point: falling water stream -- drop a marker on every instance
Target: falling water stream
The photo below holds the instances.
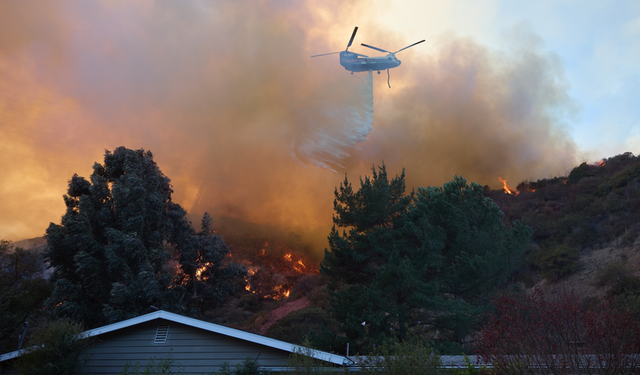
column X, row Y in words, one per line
column 335, row 127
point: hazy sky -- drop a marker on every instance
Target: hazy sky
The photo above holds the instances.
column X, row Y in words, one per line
column 236, row 112
column 597, row 42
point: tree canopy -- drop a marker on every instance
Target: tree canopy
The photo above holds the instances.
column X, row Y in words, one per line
column 22, row 292
column 372, row 276
column 406, row 261
column 110, row 253
column 474, row 250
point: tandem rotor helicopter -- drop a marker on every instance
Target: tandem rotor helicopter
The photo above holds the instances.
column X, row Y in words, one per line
column 356, row 62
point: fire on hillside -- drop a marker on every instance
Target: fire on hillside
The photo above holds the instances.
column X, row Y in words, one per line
column 507, row 189
column 273, row 267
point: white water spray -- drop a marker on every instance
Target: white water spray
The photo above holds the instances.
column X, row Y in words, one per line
column 337, row 125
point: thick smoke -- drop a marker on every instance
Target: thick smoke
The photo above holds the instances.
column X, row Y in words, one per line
column 237, row 113
column 479, row 113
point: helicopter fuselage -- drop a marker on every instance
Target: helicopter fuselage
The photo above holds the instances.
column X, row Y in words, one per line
column 355, row 63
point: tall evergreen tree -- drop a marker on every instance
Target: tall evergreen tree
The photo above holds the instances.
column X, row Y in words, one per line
column 410, row 259
column 374, row 279
column 110, row 251
column 475, row 251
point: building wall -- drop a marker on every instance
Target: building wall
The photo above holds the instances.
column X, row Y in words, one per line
column 195, row 350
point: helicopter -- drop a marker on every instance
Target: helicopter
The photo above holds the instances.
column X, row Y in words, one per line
column 356, row 62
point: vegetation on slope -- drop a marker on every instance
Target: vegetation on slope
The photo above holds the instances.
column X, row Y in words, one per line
column 596, row 205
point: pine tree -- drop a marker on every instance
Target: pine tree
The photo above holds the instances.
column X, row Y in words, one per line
column 373, row 278
column 110, row 250
column 408, row 260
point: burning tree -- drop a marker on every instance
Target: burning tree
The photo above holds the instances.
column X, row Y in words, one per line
column 110, row 249
column 205, row 274
column 533, row 334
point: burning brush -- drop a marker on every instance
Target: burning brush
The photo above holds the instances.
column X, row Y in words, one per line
column 273, row 267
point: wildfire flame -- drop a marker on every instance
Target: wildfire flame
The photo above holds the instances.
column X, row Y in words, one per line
column 201, row 269
column 273, row 267
column 600, row 163
column 507, row 189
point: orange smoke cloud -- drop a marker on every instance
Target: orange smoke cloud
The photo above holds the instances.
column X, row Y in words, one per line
column 239, row 116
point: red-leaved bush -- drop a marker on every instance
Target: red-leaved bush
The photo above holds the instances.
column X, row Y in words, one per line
column 534, row 334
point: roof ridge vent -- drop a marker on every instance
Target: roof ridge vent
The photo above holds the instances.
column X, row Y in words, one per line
column 161, row 334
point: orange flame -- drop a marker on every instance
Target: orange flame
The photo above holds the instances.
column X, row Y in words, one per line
column 273, row 267
column 507, row 189
column 201, row 269
column 600, row 163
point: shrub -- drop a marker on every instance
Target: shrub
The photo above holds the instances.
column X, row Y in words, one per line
column 248, row 367
column 298, row 324
column 166, row 367
column 557, row 262
column 470, row 369
column 610, row 274
column 55, row 349
column 559, row 335
column 413, row 357
column 251, row 302
column 301, row 362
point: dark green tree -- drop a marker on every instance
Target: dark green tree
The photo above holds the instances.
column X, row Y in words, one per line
column 110, row 250
column 205, row 276
column 475, row 251
column 374, row 279
column 22, row 292
column 407, row 260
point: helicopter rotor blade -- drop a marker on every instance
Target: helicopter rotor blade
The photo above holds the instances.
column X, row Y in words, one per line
column 376, row 48
column 352, row 37
column 325, row 54
column 409, row 46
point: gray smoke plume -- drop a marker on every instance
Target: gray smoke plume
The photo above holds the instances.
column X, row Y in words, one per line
column 227, row 97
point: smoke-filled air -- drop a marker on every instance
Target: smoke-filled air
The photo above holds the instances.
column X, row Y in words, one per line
column 247, row 125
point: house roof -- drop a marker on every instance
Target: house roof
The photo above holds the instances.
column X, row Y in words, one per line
column 211, row 327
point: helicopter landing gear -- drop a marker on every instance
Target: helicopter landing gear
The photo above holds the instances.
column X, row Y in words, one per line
column 378, row 72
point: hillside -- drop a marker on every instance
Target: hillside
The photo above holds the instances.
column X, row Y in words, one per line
column 582, row 223
column 586, row 238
